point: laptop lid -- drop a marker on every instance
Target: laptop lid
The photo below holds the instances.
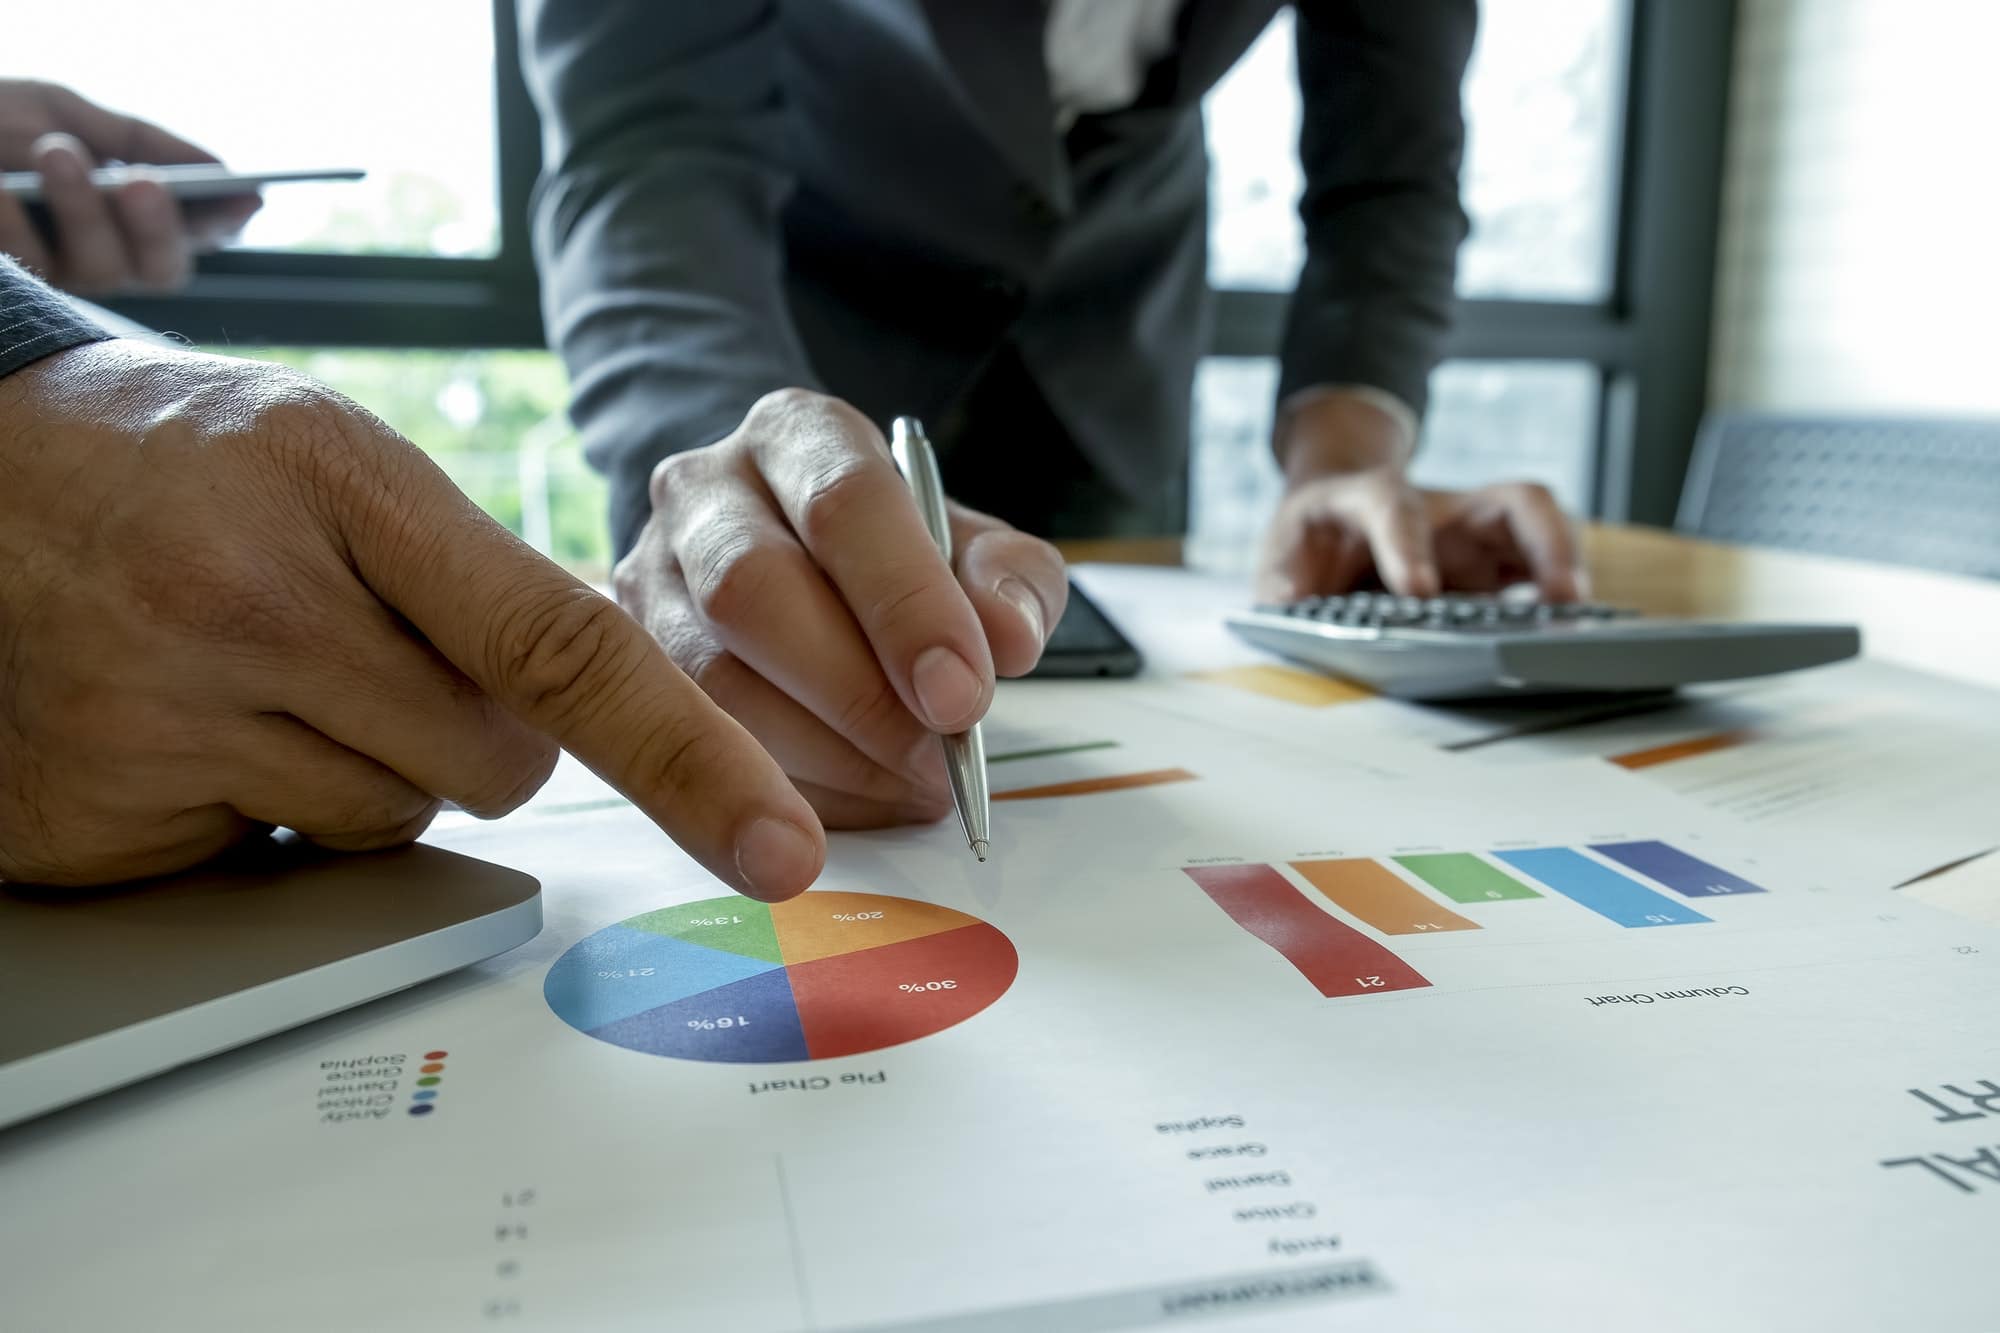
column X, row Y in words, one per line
column 100, row 989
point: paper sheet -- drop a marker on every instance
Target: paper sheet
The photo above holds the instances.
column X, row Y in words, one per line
column 1299, row 1041
column 1895, row 772
column 1970, row 889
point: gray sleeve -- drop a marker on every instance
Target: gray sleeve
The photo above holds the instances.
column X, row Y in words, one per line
column 35, row 321
column 656, row 223
column 1381, row 142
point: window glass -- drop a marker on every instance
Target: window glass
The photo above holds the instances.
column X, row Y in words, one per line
column 1488, row 421
column 1542, row 104
column 494, row 422
column 402, row 90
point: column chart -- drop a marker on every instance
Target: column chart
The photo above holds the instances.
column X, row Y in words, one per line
column 1631, row 885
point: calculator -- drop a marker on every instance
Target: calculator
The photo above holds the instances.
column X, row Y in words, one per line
column 1485, row 647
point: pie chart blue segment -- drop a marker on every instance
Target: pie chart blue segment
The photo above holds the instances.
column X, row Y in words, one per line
column 752, row 1021
column 619, row 972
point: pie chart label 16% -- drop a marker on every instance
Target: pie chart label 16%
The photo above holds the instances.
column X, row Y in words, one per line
column 824, row 975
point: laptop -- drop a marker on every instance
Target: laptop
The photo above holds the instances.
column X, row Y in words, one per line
column 101, row 989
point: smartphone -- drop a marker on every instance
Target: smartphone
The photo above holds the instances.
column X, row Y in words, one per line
column 199, row 180
column 1086, row 643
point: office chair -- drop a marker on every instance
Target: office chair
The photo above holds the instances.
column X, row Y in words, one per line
column 1901, row 491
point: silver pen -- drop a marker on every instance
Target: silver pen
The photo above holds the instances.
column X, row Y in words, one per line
column 964, row 753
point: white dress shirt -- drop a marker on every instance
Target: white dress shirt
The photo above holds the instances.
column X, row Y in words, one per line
column 1098, row 52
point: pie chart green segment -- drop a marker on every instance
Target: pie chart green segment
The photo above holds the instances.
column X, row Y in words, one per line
column 735, row 925
column 734, row 981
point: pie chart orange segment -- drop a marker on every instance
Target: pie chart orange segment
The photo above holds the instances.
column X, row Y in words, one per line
column 821, row 924
column 854, row 1002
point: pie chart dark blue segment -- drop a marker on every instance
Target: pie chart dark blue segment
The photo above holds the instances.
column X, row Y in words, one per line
column 618, row 972
column 752, row 1021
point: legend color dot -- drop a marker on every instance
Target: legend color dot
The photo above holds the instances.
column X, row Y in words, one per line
column 423, row 1101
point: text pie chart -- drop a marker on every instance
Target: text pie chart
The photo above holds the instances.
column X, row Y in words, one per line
column 824, row 975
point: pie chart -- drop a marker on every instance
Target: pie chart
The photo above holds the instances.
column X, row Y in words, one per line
column 824, row 975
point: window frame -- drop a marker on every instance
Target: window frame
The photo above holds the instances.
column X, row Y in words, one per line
column 1648, row 339
column 294, row 298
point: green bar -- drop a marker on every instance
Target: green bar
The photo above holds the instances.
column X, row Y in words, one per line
column 1053, row 749
column 1464, row 878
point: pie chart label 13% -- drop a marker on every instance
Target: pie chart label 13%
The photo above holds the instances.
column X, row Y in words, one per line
column 824, row 975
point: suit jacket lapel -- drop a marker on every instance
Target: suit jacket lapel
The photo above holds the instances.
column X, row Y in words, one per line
column 994, row 47
column 1212, row 36
column 995, row 50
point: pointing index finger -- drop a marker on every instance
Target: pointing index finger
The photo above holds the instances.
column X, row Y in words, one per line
column 571, row 664
column 1542, row 531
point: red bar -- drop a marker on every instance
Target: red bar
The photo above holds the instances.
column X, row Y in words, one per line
column 1335, row 958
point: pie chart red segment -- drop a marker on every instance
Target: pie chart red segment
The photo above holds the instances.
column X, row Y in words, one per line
column 885, row 996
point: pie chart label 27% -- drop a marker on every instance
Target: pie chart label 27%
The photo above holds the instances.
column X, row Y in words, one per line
column 826, row 974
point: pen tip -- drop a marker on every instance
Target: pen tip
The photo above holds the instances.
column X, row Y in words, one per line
column 979, row 849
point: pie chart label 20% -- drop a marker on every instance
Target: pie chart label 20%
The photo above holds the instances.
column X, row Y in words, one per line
column 824, row 975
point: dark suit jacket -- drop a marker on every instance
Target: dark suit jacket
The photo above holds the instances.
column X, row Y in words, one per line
column 870, row 197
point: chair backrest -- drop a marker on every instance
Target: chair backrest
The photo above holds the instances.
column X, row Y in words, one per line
column 1901, row 491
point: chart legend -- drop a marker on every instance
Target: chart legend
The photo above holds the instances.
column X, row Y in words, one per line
column 825, row 975
column 430, row 1074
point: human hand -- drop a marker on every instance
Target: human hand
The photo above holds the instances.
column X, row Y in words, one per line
column 787, row 571
column 231, row 599
column 1350, row 515
column 134, row 236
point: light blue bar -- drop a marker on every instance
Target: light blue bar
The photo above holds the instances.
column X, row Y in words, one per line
column 1597, row 886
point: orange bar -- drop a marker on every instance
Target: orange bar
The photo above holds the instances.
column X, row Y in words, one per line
column 1090, row 786
column 1667, row 754
column 1372, row 892
column 1290, row 684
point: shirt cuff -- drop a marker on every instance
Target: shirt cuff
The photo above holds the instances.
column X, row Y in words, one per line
column 1401, row 412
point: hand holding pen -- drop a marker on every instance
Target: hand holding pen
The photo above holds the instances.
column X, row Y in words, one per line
column 964, row 751
column 787, row 571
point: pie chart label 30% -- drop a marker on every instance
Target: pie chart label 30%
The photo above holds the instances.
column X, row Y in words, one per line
column 826, row 974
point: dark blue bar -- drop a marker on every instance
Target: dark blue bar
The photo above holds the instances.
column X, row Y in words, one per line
column 1689, row 876
column 1600, row 888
